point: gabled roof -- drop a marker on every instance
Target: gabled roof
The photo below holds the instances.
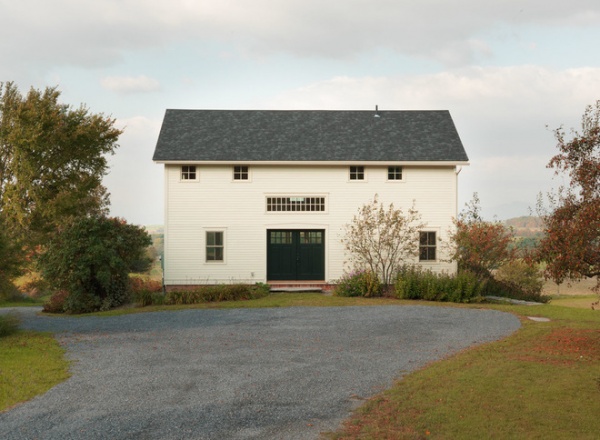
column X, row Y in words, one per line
column 308, row 136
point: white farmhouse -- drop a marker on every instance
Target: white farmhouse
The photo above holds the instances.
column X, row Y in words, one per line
column 263, row 196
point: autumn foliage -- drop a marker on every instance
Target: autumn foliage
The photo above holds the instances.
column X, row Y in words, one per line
column 571, row 245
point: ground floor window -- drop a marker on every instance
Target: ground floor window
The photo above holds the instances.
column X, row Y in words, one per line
column 427, row 246
column 215, row 246
column 296, row 204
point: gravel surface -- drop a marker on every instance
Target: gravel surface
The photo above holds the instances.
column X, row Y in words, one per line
column 279, row 373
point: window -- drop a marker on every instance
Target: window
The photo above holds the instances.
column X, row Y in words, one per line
column 300, row 204
column 357, row 173
column 188, row 172
column 311, row 237
column 394, row 173
column 281, row 237
column 214, row 246
column 240, row 173
column 427, row 246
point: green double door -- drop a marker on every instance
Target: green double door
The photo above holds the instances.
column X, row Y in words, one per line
column 295, row 255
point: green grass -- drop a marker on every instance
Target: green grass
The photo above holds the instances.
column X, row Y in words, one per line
column 30, row 364
column 542, row 382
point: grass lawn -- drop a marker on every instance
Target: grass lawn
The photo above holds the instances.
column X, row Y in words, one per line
column 30, row 364
column 542, row 382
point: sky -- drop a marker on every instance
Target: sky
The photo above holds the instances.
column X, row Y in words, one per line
column 510, row 72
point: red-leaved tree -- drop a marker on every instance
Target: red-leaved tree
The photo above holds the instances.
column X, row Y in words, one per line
column 571, row 245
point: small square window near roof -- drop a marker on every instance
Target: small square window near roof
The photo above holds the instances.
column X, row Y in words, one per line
column 188, row 172
column 357, row 173
column 395, row 173
column 240, row 172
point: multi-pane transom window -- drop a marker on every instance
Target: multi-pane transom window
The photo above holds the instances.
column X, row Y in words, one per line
column 427, row 246
column 214, row 246
column 357, row 173
column 188, row 172
column 240, row 172
column 394, row 173
column 297, row 204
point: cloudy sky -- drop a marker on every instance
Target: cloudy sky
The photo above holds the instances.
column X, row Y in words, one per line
column 508, row 71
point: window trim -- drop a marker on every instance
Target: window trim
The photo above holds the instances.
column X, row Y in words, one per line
column 187, row 173
column 359, row 173
column 215, row 246
column 238, row 175
column 428, row 246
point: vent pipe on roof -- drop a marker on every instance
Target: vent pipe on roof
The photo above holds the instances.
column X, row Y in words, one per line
column 377, row 112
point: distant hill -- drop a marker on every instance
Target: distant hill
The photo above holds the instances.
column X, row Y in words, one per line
column 526, row 226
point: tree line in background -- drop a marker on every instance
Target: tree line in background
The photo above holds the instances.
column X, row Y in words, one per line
column 53, row 206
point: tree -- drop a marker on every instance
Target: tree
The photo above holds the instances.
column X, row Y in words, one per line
column 52, row 161
column 91, row 259
column 381, row 239
column 571, row 244
column 478, row 245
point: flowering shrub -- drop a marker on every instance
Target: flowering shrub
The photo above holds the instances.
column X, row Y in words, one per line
column 359, row 283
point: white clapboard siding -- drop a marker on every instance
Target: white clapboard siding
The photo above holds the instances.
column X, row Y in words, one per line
column 215, row 202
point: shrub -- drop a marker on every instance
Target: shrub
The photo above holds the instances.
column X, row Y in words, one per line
column 9, row 324
column 361, row 283
column 415, row 283
column 145, row 292
column 56, row 303
column 525, row 276
column 216, row 293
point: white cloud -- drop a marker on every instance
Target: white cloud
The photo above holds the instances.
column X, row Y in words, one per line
column 130, row 84
column 100, row 33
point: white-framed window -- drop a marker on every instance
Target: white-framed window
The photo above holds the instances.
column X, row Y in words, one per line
column 395, row 173
column 189, row 172
column 427, row 246
column 215, row 246
column 357, row 173
column 296, row 204
column 241, row 172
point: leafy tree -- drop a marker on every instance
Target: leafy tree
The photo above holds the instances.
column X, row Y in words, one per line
column 381, row 239
column 52, row 161
column 571, row 245
column 91, row 260
column 10, row 264
column 477, row 245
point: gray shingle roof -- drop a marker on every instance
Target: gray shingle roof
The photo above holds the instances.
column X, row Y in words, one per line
column 306, row 135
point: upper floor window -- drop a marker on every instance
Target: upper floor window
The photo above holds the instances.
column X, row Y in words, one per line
column 240, row 172
column 427, row 246
column 188, row 172
column 357, row 173
column 394, row 173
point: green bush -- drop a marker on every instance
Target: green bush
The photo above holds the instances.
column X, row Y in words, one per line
column 522, row 277
column 146, row 292
column 9, row 324
column 415, row 283
column 361, row 283
column 217, row 293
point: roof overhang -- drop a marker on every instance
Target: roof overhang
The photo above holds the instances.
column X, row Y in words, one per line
column 419, row 163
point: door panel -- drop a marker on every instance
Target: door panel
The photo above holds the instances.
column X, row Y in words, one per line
column 295, row 255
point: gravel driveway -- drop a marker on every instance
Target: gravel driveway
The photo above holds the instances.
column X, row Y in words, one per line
column 279, row 373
